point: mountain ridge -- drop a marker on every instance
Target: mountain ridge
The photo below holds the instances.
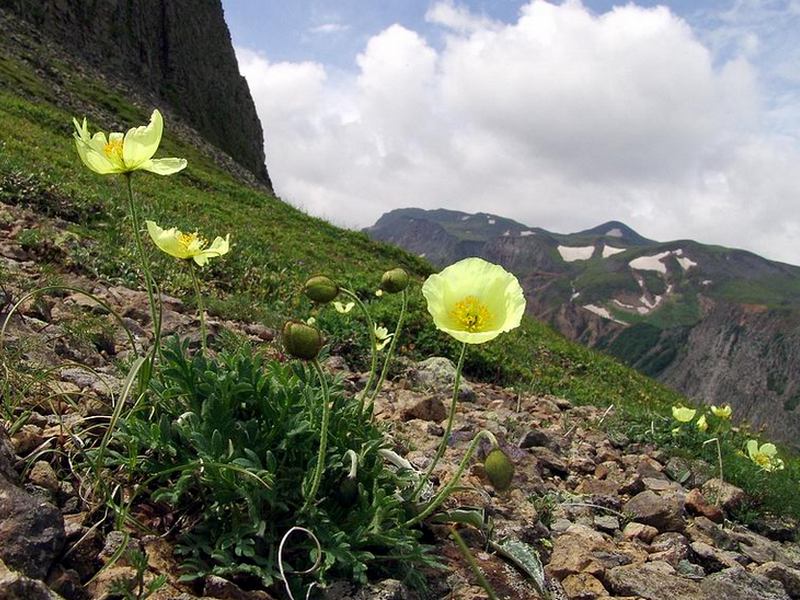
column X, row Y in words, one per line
column 611, row 288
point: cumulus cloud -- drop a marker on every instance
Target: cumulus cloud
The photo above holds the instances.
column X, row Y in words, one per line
column 562, row 119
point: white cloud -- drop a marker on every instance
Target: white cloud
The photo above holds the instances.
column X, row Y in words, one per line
column 563, row 119
column 327, row 28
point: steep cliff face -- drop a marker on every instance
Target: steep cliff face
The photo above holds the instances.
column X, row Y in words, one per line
column 178, row 49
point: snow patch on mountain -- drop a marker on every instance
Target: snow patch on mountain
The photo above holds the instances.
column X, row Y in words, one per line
column 611, row 250
column 602, row 312
column 573, row 253
column 655, row 262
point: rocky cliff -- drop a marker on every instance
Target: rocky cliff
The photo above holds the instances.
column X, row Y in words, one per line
column 178, row 49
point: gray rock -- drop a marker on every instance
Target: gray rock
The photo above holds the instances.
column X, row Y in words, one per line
column 541, row 437
column 31, row 531
column 738, row 584
column 665, row 513
column 790, row 578
column 652, row 581
column 726, row 495
column 7, row 457
column 608, row 523
column 15, row 586
column 438, row 374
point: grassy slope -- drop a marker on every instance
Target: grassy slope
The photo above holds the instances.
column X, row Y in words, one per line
column 276, row 247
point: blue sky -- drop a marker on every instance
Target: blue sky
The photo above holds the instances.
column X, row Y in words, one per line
column 680, row 118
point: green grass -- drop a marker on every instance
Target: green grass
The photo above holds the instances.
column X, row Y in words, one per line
column 276, row 247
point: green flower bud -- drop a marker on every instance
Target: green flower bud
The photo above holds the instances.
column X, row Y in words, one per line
column 301, row 340
column 394, row 281
column 499, row 469
column 321, row 289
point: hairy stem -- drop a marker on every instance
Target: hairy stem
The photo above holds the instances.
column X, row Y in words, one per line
column 200, row 309
column 373, row 345
column 443, row 445
column 148, row 279
column 323, row 436
column 390, row 353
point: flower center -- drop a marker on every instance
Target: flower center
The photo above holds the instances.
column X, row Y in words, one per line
column 113, row 150
column 191, row 241
column 762, row 459
column 471, row 314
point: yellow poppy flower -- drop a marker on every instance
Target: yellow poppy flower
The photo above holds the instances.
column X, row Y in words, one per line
column 682, row 414
column 764, row 456
column 474, row 301
column 120, row 153
column 187, row 245
column 702, row 424
column 723, row 412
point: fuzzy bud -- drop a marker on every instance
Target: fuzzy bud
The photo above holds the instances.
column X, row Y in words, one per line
column 499, row 469
column 301, row 340
column 394, row 281
column 321, row 289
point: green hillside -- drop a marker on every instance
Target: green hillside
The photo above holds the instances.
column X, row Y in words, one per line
column 275, row 248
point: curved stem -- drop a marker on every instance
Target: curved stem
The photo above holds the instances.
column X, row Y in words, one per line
column 373, row 344
column 200, row 308
column 445, row 491
column 448, row 429
column 148, row 279
column 323, row 436
column 390, row 353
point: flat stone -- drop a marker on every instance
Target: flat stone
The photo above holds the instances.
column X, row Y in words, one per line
column 738, row 584
column 790, row 578
column 652, row 581
column 541, row 437
column 639, row 531
column 576, row 551
column 664, row 512
column 713, row 559
column 582, row 586
column 428, row 408
column 608, row 523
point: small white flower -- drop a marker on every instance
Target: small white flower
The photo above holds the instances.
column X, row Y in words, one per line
column 343, row 308
column 382, row 337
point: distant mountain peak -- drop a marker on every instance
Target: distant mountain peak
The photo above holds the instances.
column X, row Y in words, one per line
column 616, row 230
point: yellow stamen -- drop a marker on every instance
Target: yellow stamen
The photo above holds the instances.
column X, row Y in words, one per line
column 191, row 240
column 113, row 149
column 471, row 314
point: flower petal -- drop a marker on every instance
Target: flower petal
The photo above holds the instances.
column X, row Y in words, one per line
column 167, row 240
column 96, row 161
column 142, row 142
column 164, row 166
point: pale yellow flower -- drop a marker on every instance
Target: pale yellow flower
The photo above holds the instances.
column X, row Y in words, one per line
column 343, row 308
column 123, row 153
column 474, row 301
column 764, row 456
column 723, row 412
column 378, row 293
column 683, row 414
column 382, row 337
column 187, row 245
column 702, row 424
